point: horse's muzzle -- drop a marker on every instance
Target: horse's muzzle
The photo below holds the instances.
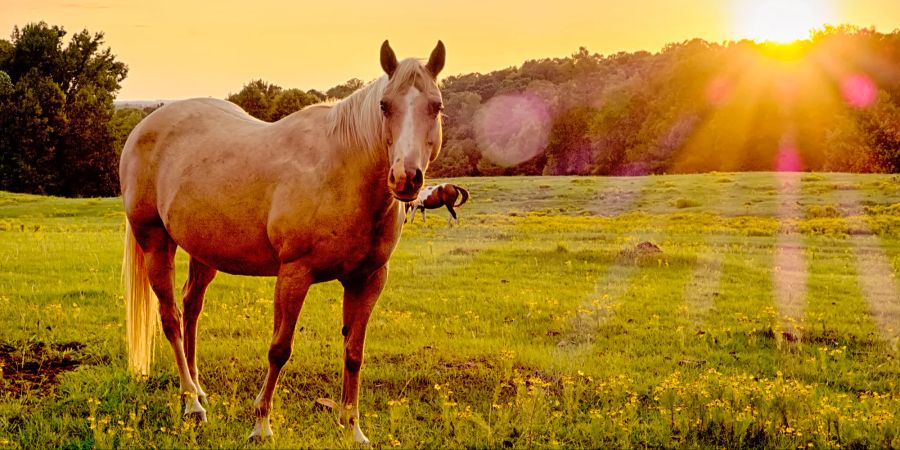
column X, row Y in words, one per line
column 405, row 184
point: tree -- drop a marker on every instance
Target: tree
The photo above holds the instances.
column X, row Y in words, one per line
column 34, row 120
column 55, row 117
column 257, row 98
column 122, row 122
column 290, row 101
column 343, row 90
column 569, row 148
column 880, row 125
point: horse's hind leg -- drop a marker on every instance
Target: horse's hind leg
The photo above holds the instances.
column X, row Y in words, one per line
column 199, row 277
column 360, row 296
column 452, row 215
column 159, row 257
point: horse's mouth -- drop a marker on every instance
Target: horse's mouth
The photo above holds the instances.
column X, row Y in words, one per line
column 407, row 195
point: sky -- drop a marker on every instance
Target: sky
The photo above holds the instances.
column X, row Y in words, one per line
column 184, row 48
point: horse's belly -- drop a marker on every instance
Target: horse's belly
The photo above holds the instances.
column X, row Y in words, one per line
column 227, row 243
column 232, row 253
column 241, row 262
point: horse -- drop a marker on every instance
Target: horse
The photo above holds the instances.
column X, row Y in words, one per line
column 434, row 197
column 248, row 197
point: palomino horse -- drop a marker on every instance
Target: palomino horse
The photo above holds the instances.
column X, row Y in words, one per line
column 248, row 197
column 434, row 197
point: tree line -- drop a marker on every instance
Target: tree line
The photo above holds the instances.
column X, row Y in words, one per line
column 831, row 102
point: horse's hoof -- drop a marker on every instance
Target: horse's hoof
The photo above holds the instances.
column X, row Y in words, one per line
column 259, row 439
column 358, row 435
column 262, row 431
column 197, row 416
column 360, row 438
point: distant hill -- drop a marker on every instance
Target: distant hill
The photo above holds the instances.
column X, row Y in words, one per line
column 138, row 103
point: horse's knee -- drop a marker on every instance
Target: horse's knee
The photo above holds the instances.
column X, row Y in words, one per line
column 353, row 359
column 279, row 354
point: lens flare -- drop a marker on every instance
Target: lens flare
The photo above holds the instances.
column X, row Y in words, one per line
column 788, row 159
column 719, row 90
column 859, row 90
column 512, row 129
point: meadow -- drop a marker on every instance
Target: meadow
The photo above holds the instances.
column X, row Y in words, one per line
column 766, row 313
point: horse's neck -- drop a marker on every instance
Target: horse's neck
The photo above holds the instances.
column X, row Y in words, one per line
column 369, row 169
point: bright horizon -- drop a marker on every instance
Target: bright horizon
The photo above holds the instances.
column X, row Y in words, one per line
column 181, row 49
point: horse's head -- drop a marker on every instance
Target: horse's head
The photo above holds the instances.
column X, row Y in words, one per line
column 411, row 106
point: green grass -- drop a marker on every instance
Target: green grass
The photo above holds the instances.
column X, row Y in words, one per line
column 535, row 322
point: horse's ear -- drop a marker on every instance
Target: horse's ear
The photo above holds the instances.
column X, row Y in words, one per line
column 388, row 59
column 436, row 60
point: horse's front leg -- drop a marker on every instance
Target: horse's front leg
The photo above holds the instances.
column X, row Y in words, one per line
column 290, row 292
column 360, row 295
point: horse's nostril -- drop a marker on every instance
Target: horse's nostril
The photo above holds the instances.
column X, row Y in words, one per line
column 418, row 178
column 392, row 178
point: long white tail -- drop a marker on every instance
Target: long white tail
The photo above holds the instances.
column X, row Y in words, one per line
column 141, row 306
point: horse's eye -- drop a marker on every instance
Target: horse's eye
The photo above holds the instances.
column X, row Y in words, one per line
column 435, row 108
column 385, row 108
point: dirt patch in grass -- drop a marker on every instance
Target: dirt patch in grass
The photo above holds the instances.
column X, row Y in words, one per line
column 643, row 252
column 36, row 367
column 463, row 251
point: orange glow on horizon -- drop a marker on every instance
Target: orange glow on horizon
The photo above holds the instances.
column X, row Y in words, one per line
column 176, row 49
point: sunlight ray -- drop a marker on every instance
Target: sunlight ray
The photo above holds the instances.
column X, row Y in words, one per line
column 790, row 274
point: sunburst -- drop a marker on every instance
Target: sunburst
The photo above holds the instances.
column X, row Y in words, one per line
column 779, row 20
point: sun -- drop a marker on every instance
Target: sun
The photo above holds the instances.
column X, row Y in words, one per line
column 780, row 21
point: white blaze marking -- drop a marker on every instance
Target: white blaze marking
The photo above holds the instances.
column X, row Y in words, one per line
column 406, row 140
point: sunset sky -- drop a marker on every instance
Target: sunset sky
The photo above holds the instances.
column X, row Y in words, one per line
column 181, row 48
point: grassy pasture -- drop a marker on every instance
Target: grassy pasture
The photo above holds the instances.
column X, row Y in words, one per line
column 537, row 321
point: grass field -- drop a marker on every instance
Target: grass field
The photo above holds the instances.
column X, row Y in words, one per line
column 769, row 318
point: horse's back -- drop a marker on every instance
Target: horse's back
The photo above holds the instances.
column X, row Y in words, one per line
column 171, row 140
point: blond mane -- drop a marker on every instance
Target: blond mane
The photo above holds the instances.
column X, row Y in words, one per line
column 356, row 120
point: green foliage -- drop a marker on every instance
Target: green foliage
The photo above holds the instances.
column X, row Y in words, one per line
column 55, row 105
column 343, row 90
column 695, row 106
column 569, row 149
column 122, row 122
column 292, row 100
column 270, row 102
column 6, row 84
column 257, row 98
